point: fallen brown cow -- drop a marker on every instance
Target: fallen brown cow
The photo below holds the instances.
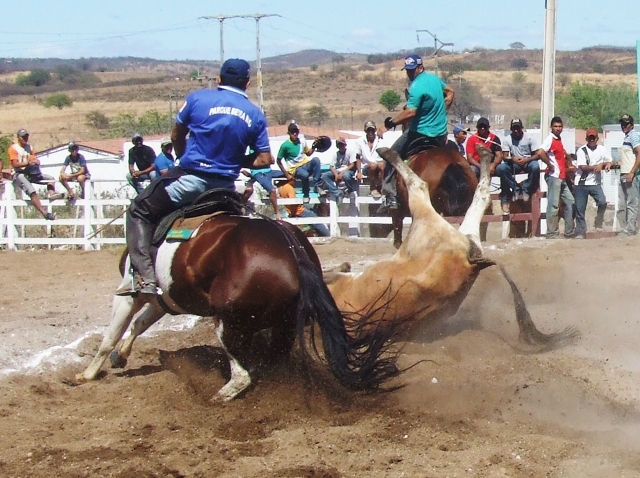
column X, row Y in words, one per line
column 433, row 269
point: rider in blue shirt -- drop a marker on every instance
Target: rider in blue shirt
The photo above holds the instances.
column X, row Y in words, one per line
column 212, row 132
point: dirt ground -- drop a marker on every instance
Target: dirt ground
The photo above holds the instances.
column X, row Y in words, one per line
column 476, row 404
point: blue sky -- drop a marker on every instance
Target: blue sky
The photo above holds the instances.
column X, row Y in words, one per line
column 171, row 30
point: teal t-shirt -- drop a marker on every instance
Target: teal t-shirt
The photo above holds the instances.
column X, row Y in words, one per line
column 426, row 96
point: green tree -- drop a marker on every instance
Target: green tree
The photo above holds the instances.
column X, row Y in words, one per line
column 516, row 45
column 318, row 114
column 390, row 99
column 5, row 142
column 59, row 100
column 35, row 77
column 97, row 119
column 586, row 105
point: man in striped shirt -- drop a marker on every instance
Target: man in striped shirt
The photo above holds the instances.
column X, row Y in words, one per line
column 627, row 212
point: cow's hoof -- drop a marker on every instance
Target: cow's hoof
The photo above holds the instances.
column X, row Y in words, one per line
column 80, row 378
column 117, row 360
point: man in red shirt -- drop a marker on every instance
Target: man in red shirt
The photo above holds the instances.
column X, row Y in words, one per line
column 486, row 138
column 553, row 154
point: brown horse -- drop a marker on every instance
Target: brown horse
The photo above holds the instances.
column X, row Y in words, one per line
column 250, row 275
column 451, row 182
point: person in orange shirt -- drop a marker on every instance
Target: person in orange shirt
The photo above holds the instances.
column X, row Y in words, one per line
column 26, row 170
column 287, row 190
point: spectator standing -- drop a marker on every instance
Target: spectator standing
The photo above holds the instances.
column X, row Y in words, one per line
column 288, row 191
column 369, row 162
column 489, row 140
column 428, row 100
column 553, row 154
column 165, row 161
column 298, row 162
column 141, row 157
column 78, row 171
column 26, row 171
column 591, row 159
column 212, row 132
column 627, row 213
column 524, row 156
column 343, row 168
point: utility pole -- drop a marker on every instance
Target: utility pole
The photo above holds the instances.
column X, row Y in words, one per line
column 436, row 48
column 548, row 66
column 221, row 19
column 257, row 17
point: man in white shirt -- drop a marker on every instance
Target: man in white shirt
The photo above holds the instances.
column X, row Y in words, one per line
column 368, row 159
column 343, row 168
column 628, row 187
column 591, row 159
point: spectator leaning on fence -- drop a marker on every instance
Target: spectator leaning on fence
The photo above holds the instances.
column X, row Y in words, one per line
column 523, row 158
column 627, row 213
column 26, row 170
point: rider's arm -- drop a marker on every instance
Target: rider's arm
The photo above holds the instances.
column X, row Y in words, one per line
column 449, row 94
column 179, row 139
column 261, row 160
column 405, row 114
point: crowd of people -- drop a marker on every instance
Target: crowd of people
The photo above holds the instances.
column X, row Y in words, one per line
column 219, row 132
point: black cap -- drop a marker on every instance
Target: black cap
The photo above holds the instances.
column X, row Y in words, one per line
column 626, row 119
column 482, row 122
column 292, row 127
column 516, row 122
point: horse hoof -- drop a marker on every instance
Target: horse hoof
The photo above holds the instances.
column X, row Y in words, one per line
column 80, row 378
column 117, row 360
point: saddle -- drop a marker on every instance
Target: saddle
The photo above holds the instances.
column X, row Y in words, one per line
column 180, row 224
column 419, row 145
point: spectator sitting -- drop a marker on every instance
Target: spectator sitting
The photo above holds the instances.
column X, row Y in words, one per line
column 26, row 169
column 343, row 168
column 165, row 161
column 490, row 141
column 79, row 171
column 460, row 137
column 287, row 190
column 369, row 161
column 142, row 157
column 523, row 150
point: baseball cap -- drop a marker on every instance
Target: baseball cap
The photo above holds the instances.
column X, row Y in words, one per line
column 22, row 133
column 292, row 127
column 516, row 122
column 165, row 141
column 459, row 127
column 235, row 68
column 592, row 132
column 482, row 122
column 341, row 140
column 369, row 125
column 626, row 119
column 412, row 62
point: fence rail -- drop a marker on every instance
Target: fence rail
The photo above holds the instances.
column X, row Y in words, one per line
column 85, row 227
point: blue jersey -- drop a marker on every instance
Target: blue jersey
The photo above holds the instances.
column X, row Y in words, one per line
column 222, row 124
column 163, row 162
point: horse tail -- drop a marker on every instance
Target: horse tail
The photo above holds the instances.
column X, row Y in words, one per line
column 528, row 330
column 358, row 363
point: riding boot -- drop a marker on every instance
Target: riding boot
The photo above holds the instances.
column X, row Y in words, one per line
column 143, row 215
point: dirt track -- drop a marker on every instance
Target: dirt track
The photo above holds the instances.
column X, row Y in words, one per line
column 478, row 405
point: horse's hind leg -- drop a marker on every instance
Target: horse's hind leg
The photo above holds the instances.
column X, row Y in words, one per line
column 124, row 308
column 150, row 316
column 234, row 344
column 470, row 226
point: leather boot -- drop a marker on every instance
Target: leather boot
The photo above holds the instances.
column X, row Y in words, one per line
column 139, row 235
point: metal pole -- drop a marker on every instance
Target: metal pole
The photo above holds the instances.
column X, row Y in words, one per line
column 221, row 18
column 436, row 48
column 638, row 66
column 259, row 66
column 548, row 67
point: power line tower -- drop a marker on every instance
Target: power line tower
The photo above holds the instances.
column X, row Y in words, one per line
column 221, row 19
column 436, row 48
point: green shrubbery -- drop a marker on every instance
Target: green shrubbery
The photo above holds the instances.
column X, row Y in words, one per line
column 59, row 100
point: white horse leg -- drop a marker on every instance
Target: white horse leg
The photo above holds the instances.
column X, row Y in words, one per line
column 149, row 316
column 124, row 308
column 240, row 378
column 470, row 226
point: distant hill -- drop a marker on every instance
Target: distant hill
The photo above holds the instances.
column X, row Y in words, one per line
column 598, row 59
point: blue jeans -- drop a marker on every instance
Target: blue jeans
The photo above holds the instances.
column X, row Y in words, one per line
column 265, row 179
column 187, row 188
column 321, row 229
column 557, row 190
column 507, row 171
column 310, row 169
column 136, row 183
column 582, row 193
column 349, row 178
column 627, row 212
